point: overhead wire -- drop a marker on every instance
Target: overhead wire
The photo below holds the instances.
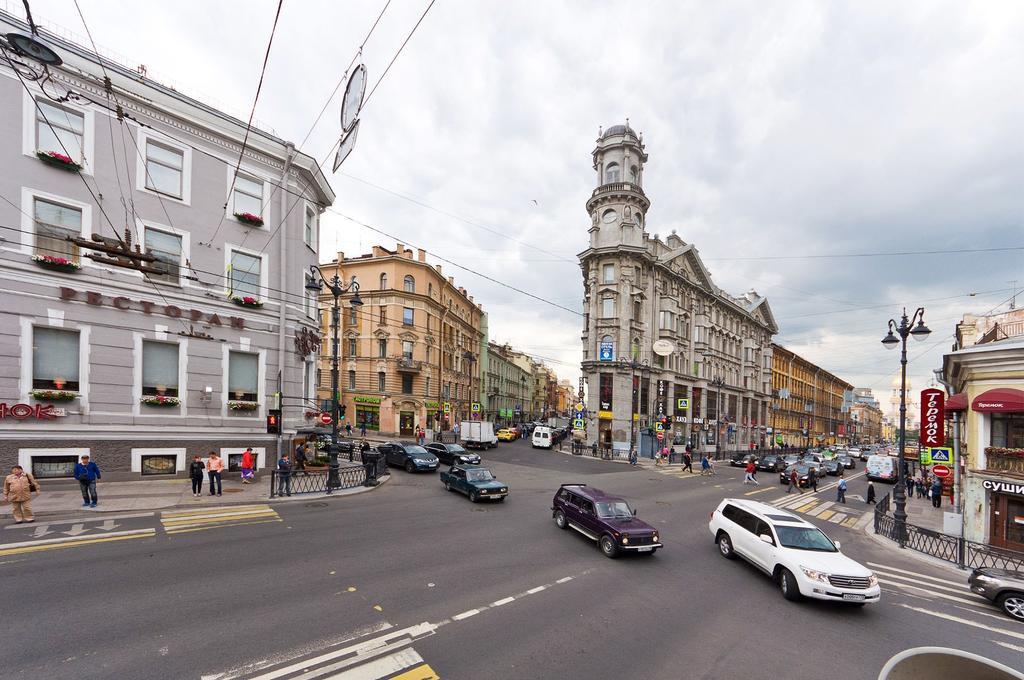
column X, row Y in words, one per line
column 394, row 58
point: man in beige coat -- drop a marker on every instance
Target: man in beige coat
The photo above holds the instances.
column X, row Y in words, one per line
column 18, row 487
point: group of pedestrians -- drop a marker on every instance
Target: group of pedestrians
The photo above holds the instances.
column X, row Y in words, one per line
column 214, row 468
column 926, row 486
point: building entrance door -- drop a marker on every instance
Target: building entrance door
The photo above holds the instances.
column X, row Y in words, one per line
column 406, row 423
column 1007, row 522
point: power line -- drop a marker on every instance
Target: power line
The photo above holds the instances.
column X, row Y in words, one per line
column 882, row 254
column 391, row 63
column 248, row 125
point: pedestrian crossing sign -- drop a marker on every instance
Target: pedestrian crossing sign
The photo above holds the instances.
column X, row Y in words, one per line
column 941, row 455
column 577, row 424
column 658, row 427
column 476, row 407
column 447, row 407
column 682, row 404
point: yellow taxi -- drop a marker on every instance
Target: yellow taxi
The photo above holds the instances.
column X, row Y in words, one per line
column 506, row 435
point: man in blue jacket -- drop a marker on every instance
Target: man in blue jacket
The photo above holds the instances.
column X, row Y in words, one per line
column 87, row 473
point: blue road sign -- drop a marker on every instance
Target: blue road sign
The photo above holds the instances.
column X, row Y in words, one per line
column 607, row 352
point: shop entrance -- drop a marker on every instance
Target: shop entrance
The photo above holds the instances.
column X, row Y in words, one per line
column 1007, row 522
column 406, row 423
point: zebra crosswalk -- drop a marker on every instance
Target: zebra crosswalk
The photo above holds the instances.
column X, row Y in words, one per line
column 184, row 521
column 811, row 505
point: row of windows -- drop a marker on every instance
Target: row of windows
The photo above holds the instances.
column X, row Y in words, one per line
column 166, row 166
column 56, row 366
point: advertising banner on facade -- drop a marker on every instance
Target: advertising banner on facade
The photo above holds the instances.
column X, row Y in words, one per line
column 933, row 417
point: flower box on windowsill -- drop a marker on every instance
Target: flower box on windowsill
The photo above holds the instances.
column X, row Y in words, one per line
column 58, row 160
column 247, row 302
column 249, row 218
column 243, row 405
column 160, row 400
column 60, row 264
column 54, row 395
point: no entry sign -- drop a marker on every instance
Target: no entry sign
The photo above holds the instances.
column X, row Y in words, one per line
column 940, row 471
column 325, row 418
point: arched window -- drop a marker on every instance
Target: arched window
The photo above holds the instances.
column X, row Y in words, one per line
column 430, row 289
column 611, row 173
column 383, row 281
column 410, row 284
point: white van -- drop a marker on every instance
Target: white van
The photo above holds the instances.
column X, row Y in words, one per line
column 541, row 437
column 881, row 468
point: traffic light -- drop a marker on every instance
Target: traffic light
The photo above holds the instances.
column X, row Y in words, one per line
column 341, row 412
column 274, row 422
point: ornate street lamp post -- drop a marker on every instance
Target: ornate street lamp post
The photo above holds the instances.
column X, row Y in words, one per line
column 898, row 333
column 334, row 285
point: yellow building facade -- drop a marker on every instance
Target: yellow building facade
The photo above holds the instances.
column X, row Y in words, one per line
column 812, row 413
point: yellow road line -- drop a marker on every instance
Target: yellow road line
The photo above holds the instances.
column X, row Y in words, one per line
column 220, row 526
column 850, row 522
column 806, row 507
column 751, row 493
column 240, row 513
column 423, row 672
column 219, row 508
column 826, row 514
column 218, row 520
column 72, row 544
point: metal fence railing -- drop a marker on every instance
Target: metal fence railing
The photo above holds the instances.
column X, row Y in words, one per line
column 316, row 481
column 955, row 549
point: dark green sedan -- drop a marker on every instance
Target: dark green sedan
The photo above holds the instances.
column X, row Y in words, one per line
column 475, row 481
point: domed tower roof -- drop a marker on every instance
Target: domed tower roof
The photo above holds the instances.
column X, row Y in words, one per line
column 618, row 130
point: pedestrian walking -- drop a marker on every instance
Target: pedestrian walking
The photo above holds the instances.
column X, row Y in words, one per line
column 688, row 460
column 196, row 471
column 284, row 476
column 812, row 479
column 362, row 429
column 659, row 457
column 87, row 473
column 749, row 477
column 841, row 491
column 936, row 492
column 214, row 469
column 348, row 430
column 18, row 489
column 249, row 463
column 705, row 464
column 910, row 487
column 921, row 489
column 871, row 493
column 300, row 461
column 794, row 482
column 455, row 429
column 632, row 455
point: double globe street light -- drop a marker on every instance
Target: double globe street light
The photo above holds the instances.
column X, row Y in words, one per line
column 898, row 333
column 316, row 284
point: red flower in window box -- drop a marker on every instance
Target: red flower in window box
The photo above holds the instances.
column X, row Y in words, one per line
column 247, row 301
column 160, row 400
column 58, row 263
column 58, row 160
column 249, row 218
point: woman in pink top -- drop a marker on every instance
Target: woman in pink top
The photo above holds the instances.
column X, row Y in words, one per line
column 215, row 465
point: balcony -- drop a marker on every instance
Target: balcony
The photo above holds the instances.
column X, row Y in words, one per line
column 999, row 459
column 613, row 188
column 409, row 365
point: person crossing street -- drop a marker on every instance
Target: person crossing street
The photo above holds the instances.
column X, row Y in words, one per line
column 749, row 478
column 841, row 491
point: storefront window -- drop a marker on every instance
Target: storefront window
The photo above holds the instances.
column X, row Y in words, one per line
column 1008, row 430
column 53, row 466
column 606, row 392
column 159, row 465
column 368, row 415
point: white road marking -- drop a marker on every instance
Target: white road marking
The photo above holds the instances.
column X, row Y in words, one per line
column 931, row 593
column 991, row 616
column 382, row 667
column 73, row 539
column 102, row 518
column 531, row 591
column 914, row 574
column 465, row 614
column 837, row 518
column 814, row 512
column 1017, row 648
column 948, row 589
column 966, row 622
column 564, row 579
column 504, row 600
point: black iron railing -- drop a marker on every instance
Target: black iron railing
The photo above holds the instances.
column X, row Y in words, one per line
column 955, row 549
column 315, row 481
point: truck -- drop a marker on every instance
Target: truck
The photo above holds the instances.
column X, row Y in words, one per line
column 477, row 434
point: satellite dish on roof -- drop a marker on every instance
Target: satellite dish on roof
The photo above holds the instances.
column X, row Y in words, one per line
column 353, row 99
column 31, row 46
column 348, row 141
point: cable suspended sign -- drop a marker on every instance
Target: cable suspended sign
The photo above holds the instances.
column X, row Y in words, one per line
column 351, row 104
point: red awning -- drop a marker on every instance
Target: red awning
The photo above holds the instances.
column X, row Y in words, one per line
column 957, row 402
column 1004, row 400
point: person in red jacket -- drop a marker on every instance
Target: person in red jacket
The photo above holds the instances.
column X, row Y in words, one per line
column 751, row 468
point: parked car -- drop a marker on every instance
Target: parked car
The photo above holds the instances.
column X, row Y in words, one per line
column 1003, row 587
column 476, row 482
column 506, row 434
column 740, row 459
column 833, row 466
column 451, row 454
column 791, row 459
column 603, row 518
column 412, row 457
column 803, row 474
column 802, row 560
column 541, row 438
column 848, row 461
column 770, row 463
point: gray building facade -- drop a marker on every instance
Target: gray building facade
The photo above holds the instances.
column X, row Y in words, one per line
column 660, row 339
column 143, row 361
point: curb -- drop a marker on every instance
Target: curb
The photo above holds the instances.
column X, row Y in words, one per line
column 72, row 514
column 892, row 546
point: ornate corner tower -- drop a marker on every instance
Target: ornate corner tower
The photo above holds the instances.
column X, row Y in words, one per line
column 618, row 205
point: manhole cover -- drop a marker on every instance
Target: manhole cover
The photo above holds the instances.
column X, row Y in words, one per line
column 316, row 505
column 232, row 490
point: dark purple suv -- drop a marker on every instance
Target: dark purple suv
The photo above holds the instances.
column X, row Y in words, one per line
column 603, row 518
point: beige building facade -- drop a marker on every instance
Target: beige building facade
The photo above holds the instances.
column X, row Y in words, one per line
column 812, row 414
column 410, row 355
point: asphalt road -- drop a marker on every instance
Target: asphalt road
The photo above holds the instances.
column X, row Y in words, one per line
column 412, row 582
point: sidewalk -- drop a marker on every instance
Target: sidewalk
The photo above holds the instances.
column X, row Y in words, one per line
column 60, row 498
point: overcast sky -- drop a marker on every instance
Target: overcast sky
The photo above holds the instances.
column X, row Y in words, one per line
column 774, row 129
